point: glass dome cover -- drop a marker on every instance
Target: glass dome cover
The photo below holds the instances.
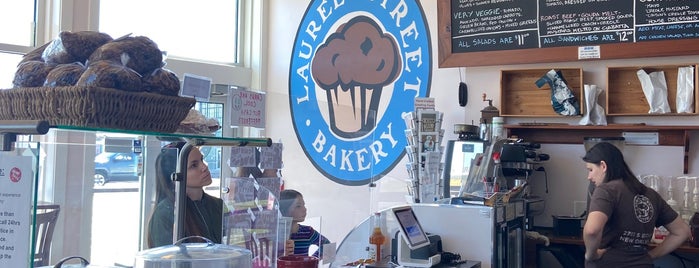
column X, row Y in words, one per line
column 206, row 254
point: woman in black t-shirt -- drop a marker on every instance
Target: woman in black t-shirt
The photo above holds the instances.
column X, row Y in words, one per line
column 624, row 213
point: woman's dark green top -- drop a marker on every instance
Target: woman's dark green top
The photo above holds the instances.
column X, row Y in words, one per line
column 207, row 213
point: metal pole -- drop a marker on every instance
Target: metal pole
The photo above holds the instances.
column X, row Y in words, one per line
column 9, row 129
column 180, row 178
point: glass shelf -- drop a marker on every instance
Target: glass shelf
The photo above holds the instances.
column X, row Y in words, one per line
column 197, row 139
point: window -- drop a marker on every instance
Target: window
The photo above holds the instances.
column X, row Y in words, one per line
column 17, row 39
column 19, row 14
column 200, row 37
column 205, row 30
column 8, row 62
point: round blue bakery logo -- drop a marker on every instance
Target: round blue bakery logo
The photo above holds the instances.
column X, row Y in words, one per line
column 356, row 69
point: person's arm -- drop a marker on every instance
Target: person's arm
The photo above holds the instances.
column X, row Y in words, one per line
column 318, row 240
column 679, row 233
column 592, row 234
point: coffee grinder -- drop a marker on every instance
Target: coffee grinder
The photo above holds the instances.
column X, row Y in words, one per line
column 486, row 122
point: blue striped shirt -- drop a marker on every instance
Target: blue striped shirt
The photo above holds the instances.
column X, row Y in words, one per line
column 305, row 237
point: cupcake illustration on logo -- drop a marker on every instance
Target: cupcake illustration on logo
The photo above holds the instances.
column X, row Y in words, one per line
column 353, row 66
column 356, row 69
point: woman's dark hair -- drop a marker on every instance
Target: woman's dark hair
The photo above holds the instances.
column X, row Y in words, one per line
column 165, row 165
column 286, row 198
column 617, row 169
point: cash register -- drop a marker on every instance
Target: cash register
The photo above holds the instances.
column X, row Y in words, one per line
column 416, row 248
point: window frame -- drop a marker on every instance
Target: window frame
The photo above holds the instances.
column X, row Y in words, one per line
column 55, row 16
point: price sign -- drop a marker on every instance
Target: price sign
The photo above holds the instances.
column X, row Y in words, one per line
column 197, row 87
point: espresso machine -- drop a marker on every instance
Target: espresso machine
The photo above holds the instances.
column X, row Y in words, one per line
column 509, row 218
column 518, row 160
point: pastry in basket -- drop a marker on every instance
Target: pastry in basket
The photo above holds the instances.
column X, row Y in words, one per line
column 35, row 54
column 162, row 81
column 64, row 75
column 197, row 123
column 32, row 73
column 143, row 53
column 72, row 47
column 110, row 74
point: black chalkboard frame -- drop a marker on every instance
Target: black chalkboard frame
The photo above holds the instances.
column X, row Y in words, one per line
column 446, row 59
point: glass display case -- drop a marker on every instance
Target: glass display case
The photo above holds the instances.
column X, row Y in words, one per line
column 95, row 206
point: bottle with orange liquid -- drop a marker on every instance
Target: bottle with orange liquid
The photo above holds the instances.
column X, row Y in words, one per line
column 376, row 239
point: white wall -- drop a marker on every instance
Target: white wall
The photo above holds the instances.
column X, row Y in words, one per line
column 342, row 207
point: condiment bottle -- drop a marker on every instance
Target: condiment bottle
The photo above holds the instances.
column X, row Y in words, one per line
column 377, row 239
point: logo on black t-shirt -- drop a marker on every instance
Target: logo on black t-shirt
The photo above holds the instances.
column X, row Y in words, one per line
column 642, row 208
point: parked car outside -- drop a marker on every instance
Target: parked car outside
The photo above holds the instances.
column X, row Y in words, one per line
column 115, row 166
column 111, row 166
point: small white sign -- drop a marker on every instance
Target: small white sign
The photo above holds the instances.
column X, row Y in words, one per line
column 16, row 179
column 197, row 87
column 248, row 109
column 424, row 103
column 589, row 52
column 641, row 138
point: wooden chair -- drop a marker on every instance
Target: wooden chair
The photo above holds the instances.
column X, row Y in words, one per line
column 46, row 217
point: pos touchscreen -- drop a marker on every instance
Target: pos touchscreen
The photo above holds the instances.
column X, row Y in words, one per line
column 410, row 228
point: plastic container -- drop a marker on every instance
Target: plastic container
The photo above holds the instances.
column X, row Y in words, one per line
column 484, row 131
column 498, row 129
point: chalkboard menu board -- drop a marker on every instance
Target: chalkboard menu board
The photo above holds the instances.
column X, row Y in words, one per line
column 491, row 32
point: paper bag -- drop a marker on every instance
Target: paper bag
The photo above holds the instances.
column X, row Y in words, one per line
column 655, row 89
column 685, row 90
column 594, row 114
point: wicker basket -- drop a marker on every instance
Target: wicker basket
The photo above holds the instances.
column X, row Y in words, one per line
column 95, row 107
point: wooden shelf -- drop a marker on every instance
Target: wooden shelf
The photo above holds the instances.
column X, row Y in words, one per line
column 521, row 96
column 625, row 94
column 575, row 134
